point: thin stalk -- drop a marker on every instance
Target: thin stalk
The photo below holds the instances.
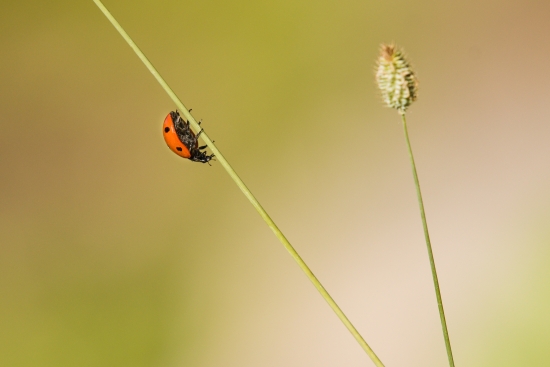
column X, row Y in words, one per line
column 220, row 158
column 429, row 245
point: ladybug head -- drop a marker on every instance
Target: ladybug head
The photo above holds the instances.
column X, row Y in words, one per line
column 198, row 156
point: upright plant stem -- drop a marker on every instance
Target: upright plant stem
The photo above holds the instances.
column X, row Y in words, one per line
column 429, row 245
column 244, row 189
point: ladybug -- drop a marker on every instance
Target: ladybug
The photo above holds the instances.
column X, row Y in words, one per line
column 182, row 140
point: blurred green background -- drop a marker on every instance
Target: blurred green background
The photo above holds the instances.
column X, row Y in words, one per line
column 116, row 252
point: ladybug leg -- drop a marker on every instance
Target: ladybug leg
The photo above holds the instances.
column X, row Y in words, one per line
column 179, row 117
column 203, row 147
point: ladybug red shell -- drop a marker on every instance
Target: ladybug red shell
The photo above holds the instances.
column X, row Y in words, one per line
column 182, row 140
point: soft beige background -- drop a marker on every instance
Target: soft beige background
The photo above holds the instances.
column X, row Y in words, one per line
column 115, row 252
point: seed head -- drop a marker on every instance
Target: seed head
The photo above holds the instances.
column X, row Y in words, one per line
column 395, row 79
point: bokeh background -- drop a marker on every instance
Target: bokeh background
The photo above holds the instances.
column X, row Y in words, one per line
column 116, row 252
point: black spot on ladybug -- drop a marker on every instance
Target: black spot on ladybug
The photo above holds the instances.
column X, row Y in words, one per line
column 179, row 149
column 166, row 129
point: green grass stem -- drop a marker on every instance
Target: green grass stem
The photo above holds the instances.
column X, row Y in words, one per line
column 429, row 245
column 220, row 158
